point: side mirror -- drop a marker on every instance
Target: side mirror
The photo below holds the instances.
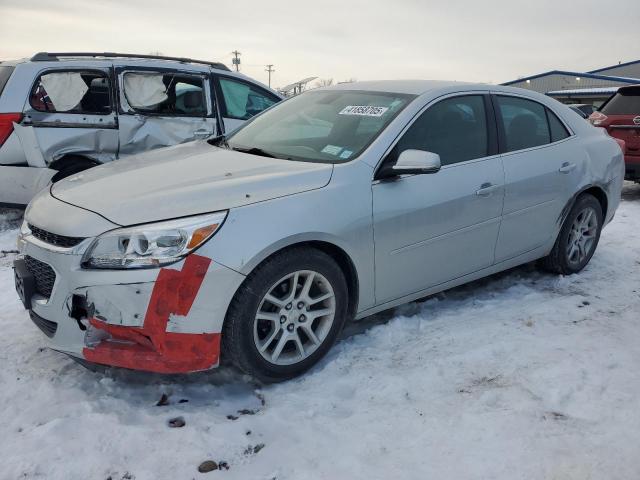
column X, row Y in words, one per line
column 417, row 162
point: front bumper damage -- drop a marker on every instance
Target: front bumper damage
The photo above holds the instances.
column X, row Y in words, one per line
column 166, row 320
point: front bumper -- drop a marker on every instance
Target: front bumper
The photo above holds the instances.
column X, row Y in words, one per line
column 165, row 320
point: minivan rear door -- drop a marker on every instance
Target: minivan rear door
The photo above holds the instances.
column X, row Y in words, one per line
column 70, row 111
column 159, row 107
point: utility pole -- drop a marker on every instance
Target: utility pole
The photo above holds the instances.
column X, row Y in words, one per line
column 270, row 69
column 236, row 61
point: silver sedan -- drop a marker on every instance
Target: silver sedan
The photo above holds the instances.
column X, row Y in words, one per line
column 328, row 207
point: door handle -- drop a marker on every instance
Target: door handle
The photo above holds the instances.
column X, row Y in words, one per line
column 486, row 189
column 567, row 167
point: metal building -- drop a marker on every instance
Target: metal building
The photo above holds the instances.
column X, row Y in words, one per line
column 592, row 87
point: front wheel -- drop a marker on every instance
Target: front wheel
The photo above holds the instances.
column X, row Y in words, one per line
column 578, row 237
column 286, row 315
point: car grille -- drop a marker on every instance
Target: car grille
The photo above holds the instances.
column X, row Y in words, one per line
column 47, row 326
column 54, row 239
column 44, row 275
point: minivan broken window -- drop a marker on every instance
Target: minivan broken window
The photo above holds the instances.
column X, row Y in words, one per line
column 165, row 93
column 72, row 92
column 242, row 100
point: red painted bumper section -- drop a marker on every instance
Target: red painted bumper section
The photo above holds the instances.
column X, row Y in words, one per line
column 151, row 347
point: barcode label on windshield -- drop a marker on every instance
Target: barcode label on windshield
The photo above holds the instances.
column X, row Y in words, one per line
column 364, row 110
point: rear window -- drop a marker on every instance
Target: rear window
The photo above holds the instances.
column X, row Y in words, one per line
column 5, row 73
column 625, row 102
column 72, row 91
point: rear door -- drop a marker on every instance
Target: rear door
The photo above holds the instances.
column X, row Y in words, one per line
column 70, row 111
column 159, row 107
column 541, row 166
column 240, row 100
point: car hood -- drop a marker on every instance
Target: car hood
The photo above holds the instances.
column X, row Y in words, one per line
column 184, row 180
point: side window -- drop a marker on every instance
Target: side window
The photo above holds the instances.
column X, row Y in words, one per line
column 243, row 100
column 165, row 93
column 524, row 122
column 455, row 129
column 72, row 92
column 557, row 129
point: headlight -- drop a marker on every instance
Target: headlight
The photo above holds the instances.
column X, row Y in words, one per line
column 153, row 244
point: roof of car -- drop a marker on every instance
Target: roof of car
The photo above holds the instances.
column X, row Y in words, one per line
column 57, row 56
column 414, row 87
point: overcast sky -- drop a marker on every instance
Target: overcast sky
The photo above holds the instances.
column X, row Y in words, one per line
column 472, row 40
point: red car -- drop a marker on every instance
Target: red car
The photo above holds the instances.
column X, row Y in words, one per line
column 620, row 115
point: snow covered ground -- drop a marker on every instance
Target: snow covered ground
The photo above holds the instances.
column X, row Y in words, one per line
column 523, row 375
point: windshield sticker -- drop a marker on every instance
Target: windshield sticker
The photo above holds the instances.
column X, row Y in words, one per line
column 363, row 110
column 332, row 150
column 345, row 154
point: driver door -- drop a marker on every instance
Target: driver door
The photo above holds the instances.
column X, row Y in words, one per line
column 433, row 228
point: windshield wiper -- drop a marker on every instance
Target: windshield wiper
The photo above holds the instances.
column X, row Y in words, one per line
column 219, row 141
column 254, row 151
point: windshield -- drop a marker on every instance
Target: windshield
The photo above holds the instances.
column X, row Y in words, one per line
column 326, row 126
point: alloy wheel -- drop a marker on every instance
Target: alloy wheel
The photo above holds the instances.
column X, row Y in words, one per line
column 582, row 236
column 294, row 317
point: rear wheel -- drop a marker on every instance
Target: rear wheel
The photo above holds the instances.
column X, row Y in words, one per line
column 578, row 237
column 286, row 315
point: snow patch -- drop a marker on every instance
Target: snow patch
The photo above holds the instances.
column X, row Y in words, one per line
column 521, row 375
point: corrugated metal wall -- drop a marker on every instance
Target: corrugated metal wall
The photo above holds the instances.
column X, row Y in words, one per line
column 553, row 82
column 631, row 71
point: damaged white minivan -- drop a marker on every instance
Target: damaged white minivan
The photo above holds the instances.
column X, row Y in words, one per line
column 61, row 113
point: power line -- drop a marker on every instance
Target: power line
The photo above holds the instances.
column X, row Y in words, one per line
column 236, row 61
column 270, row 69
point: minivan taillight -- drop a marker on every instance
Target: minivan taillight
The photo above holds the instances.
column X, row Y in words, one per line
column 6, row 125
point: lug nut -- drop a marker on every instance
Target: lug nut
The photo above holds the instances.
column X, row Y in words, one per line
column 300, row 305
column 289, row 306
column 302, row 318
column 283, row 319
column 290, row 327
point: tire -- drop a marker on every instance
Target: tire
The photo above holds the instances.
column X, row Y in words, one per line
column 71, row 166
column 563, row 258
column 245, row 332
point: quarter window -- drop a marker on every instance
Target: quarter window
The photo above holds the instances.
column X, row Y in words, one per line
column 72, row 92
column 557, row 129
column 524, row 122
column 455, row 129
column 243, row 100
column 165, row 93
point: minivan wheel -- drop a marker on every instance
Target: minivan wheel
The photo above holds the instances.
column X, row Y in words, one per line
column 578, row 237
column 286, row 315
